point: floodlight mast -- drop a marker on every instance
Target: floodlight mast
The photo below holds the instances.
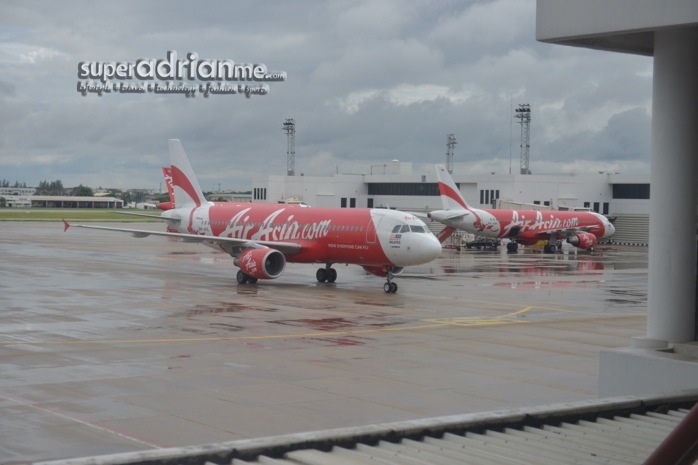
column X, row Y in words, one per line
column 523, row 113
column 290, row 129
column 450, row 144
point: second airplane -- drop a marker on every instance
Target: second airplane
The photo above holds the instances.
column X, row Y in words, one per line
column 582, row 229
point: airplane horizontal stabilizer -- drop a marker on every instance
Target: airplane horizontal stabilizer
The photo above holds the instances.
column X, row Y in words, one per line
column 146, row 215
column 455, row 214
column 447, row 215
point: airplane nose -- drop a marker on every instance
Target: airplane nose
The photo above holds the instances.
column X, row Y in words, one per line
column 433, row 249
column 415, row 249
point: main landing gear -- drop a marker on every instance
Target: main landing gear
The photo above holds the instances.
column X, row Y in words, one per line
column 244, row 278
column 552, row 247
column 390, row 287
column 329, row 275
column 512, row 247
column 326, row 275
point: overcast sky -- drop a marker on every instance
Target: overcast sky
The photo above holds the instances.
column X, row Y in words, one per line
column 366, row 82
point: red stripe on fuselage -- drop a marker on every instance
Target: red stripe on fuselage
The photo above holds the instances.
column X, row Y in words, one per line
column 325, row 235
column 446, row 190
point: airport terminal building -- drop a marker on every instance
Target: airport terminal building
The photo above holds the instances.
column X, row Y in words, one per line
column 623, row 197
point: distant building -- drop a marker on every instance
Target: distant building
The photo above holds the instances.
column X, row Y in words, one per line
column 17, row 191
column 230, row 197
column 55, row 201
column 624, row 197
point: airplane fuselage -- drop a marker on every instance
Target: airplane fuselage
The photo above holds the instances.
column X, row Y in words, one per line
column 582, row 229
column 368, row 237
column 526, row 226
column 263, row 237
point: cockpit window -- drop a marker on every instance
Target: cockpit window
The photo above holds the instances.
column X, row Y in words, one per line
column 405, row 228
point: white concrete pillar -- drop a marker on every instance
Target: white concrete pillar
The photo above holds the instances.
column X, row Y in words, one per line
column 673, row 194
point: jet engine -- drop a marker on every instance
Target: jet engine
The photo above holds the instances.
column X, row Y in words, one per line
column 383, row 270
column 582, row 240
column 261, row 263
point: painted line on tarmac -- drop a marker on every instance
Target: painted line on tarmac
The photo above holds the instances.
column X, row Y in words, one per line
column 584, row 311
column 435, row 323
column 55, row 412
column 483, row 321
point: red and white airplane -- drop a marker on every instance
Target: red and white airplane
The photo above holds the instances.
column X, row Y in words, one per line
column 263, row 237
column 582, row 229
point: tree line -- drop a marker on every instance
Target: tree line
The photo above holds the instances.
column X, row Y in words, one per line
column 52, row 188
column 6, row 183
column 56, row 188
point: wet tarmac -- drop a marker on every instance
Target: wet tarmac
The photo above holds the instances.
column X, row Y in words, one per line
column 110, row 343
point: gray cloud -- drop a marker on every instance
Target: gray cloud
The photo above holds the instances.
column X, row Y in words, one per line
column 367, row 82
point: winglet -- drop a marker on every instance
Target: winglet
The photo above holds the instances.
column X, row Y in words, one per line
column 66, row 225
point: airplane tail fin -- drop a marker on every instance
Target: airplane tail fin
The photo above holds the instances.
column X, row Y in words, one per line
column 187, row 192
column 167, row 174
column 451, row 197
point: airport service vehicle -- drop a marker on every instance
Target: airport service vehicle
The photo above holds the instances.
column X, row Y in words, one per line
column 263, row 237
column 582, row 229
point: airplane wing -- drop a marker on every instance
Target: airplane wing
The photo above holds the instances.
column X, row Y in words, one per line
column 287, row 248
column 146, row 215
column 561, row 233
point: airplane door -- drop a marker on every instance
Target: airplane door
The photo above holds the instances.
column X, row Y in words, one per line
column 373, row 222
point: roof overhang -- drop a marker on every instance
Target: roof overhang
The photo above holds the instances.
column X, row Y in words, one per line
column 626, row 26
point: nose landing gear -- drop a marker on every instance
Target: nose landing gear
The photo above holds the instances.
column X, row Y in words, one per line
column 390, row 287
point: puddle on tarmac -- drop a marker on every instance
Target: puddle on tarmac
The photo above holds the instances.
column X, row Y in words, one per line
column 344, row 341
column 226, row 327
column 247, row 290
column 323, row 324
column 381, row 303
column 627, row 297
column 319, row 305
column 223, row 308
column 197, row 331
column 339, row 324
